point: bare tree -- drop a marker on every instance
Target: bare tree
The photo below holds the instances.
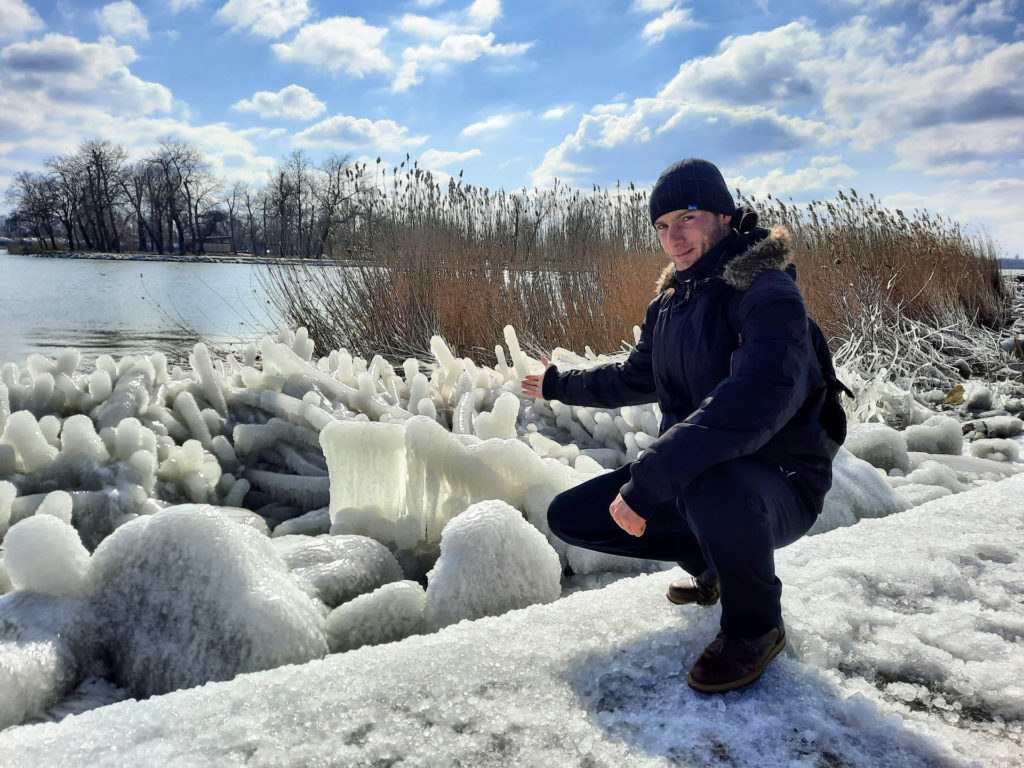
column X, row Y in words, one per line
column 32, row 196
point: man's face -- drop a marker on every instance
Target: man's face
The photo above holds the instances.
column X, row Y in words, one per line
column 687, row 235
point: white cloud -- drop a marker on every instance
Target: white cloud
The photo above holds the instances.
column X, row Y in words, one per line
column 460, row 48
column 265, row 18
column 673, row 18
column 964, row 149
column 492, row 123
column 987, row 204
column 293, row 102
column 662, row 125
column 483, row 13
column 556, row 113
column 340, row 43
column 64, row 72
column 351, row 133
column 425, row 27
column 177, row 5
column 979, row 81
column 823, row 173
column 434, row 158
column 776, row 66
column 123, row 19
column 19, row 18
column 652, row 6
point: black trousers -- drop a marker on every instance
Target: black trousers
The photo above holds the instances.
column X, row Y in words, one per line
column 730, row 519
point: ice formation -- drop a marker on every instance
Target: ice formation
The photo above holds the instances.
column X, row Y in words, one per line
column 186, row 596
column 338, row 568
column 334, row 478
column 939, row 434
column 391, row 612
column 44, row 647
column 879, row 445
column 858, row 491
column 44, row 554
column 492, row 561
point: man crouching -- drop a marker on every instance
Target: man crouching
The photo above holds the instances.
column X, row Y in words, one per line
column 742, row 462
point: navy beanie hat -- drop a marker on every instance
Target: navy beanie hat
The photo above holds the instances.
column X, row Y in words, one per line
column 691, row 184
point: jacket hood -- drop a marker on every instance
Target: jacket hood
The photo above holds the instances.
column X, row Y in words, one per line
column 766, row 249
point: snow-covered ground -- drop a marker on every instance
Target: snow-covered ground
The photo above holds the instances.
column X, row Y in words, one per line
column 163, row 528
column 905, row 650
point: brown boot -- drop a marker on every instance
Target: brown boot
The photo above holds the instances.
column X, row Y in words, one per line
column 702, row 590
column 729, row 663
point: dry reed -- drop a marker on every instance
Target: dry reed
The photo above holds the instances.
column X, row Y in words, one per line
column 575, row 270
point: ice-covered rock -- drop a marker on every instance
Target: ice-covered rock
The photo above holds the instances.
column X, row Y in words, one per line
column 916, row 494
column 44, row 554
column 42, row 652
column 931, row 473
column 996, row 426
column 492, row 561
column 996, row 449
column 858, row 491
column 969, row 469
column 186, row 596
column 389, row 613
column 312, row 523
column 878, row 445
column 338, row 568
column 978, row 397
column 939, row 434
column 32, row 451
column 7, row 494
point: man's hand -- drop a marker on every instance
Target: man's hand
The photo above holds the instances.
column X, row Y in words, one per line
column 532, row 382
column 626, row 518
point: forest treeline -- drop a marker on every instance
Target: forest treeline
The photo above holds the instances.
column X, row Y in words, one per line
column 98, row 199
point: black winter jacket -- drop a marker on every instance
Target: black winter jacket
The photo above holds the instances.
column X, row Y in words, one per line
column 724, row 392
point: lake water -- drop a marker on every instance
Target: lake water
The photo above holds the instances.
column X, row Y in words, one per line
column 127, row 307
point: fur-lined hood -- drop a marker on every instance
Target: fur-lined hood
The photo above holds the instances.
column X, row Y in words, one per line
column 770, row 252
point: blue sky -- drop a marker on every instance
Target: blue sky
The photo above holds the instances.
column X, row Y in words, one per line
column 919, row 103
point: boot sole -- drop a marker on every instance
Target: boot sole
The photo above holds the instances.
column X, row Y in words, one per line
column 673, row 600
column 742, row 682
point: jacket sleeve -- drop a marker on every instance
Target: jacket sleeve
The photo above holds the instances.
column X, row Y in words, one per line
column 767, row 385
column 630, row 382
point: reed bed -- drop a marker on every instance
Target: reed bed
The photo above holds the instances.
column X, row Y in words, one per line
column 896, row 293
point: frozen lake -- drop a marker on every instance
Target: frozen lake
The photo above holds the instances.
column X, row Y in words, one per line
column 126, row 307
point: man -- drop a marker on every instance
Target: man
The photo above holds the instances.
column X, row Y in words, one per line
column 742, row 463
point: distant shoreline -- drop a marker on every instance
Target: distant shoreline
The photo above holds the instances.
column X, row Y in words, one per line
column 203, row 258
